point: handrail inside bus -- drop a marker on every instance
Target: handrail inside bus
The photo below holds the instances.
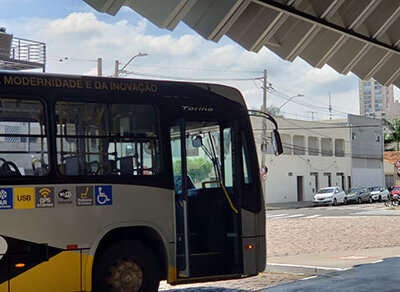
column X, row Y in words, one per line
column 203, row 185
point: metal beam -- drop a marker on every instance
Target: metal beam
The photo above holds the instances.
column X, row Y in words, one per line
column 328, row 25
column 382, row 29
column 393, row 77
column 343, row 38
column 313, row 31
column 378, row 65
column 273, row 27
column 268, row 33
column 385, row 26
column 228, row 21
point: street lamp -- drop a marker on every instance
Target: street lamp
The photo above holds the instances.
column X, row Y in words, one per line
column 118, row 71
column 298, row 95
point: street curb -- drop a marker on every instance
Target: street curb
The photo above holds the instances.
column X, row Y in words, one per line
column 302, row 270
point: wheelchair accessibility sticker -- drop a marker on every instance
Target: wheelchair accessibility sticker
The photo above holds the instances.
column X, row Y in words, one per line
column 103, row 195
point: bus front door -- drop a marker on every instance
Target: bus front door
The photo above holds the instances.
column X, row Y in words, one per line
column 207, row 211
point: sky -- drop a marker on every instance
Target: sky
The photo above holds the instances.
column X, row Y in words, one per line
column 78, row 35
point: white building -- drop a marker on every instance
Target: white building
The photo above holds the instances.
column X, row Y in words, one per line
column 318, row 154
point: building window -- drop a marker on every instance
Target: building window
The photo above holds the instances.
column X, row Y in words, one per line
column 287, row 144
column 326, row 147
column 299, row 145
column 377, row 137
column 313, row 147
column 339, row 147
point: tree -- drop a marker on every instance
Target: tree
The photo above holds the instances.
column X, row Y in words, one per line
column 394, row 135
column 274, row 111
column 271, row 110
column 198, row 168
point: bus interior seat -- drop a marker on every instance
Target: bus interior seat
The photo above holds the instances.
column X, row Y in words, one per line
column 178, row 183
column 126, row 164
column 41, row 171
column 72, row 165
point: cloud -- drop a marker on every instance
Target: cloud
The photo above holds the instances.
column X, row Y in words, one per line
column 83, row 37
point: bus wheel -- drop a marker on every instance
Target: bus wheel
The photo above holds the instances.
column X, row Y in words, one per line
column 126, row 266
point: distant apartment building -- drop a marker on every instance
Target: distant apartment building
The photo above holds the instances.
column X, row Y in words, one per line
column 345, row 153
column 375, row 99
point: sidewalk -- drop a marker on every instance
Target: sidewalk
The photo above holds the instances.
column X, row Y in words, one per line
column 327, row 262
column 289, row 205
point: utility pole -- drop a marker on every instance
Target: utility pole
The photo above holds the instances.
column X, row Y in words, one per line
column 264, row 124
column 116, row 68
column 264, row 127
column 118, row 71
column 330, row 106
column 99, row 67
column 312, row 114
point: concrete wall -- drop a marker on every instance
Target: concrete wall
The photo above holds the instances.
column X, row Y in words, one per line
column 306, row 162
column 366, row 151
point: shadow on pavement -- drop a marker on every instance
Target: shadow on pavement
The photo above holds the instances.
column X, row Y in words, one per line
column 381, row 276
column 206, row 289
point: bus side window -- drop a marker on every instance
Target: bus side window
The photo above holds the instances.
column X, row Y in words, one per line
column 251, row 199
column 107, row 139
column 23, row 141
column 247, row 175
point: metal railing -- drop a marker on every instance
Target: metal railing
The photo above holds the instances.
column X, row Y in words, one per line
column 28, row 51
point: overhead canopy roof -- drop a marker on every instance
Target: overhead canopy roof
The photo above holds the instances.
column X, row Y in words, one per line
column 359, row 36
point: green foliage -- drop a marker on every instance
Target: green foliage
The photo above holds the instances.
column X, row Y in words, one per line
column 394, row 136
column 271, row 110
column 274, row 111
column 197, row 168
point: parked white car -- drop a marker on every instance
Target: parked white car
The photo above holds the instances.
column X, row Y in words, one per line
column 330, row 195
column 379, row 193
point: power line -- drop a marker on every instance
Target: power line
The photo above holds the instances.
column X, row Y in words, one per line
column 203, row 69
column 323, row 153
column 311, row 99
column 191, row 78
column 322, row 128
column 286, row 97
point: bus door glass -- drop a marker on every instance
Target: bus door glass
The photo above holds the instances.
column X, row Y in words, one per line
column 207, row 211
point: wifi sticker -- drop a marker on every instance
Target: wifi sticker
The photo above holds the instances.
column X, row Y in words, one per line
column 44, row 197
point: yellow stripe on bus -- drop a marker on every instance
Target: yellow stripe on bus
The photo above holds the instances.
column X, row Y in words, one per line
column 61, row 273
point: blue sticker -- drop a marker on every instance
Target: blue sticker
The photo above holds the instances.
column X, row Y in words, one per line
column 103, row 195
column 6, row 198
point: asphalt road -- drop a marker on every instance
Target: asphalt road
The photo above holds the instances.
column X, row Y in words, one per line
column 374, row 209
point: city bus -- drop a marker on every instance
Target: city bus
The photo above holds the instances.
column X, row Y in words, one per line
column 113, row 184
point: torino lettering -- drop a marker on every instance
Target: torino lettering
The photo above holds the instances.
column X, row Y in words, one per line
column 197, row 108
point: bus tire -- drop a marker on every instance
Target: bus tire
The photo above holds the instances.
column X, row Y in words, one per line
column 126, row 266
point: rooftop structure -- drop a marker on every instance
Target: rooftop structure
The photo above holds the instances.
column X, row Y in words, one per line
column 21, row 54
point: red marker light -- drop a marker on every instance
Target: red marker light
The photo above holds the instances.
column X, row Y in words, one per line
column 249, row 246
column 19, row 265
column 72, row 246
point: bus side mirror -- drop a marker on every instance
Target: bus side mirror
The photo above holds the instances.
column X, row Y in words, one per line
column 276, row 142
column 197, row 141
